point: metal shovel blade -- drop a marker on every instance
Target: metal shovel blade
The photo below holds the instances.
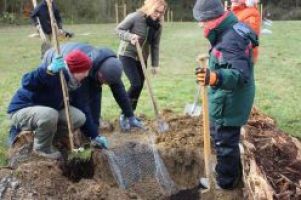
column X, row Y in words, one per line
column 162, row 126
column 204, row 183
column 192, row 110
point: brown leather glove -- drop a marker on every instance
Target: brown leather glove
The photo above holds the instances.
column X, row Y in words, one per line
column 205, row 76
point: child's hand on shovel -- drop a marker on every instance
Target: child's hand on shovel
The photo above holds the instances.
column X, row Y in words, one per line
column 205, row 76
column 100, row 142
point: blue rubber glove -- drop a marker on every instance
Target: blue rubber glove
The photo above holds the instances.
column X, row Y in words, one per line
column 57, row 64
column 100, row 142
column 134, row 122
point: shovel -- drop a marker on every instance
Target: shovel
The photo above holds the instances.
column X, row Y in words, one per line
column 162, row 125
column 76, row 154
column 207, row 182
column 194, row 110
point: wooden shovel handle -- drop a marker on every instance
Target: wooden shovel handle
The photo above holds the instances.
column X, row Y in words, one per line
column 148, row 84
column 54, row 28
column 206, row 125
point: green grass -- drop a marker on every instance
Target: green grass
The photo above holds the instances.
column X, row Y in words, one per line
column 277, row 72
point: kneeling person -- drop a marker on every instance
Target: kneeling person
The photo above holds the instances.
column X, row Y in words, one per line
column 106, row 69
column 38, row 104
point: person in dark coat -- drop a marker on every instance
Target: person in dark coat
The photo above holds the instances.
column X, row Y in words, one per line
column 38, row 104
column 106, row 69
column 41, row 19
column 230, row 77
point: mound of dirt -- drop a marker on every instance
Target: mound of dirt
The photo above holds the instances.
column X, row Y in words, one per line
column 42, row 179
column 179, row 149
column 277, row 156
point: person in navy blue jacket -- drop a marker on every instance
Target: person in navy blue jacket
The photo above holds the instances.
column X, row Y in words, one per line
column 106, row 69
column 38, row 104
column 41, row 19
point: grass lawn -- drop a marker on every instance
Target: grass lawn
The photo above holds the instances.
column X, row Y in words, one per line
column 277, row 72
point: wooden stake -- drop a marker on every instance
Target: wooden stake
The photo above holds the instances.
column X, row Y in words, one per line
column 167, row 15
column 124, row 10
column 116, row 13
column 261, row 12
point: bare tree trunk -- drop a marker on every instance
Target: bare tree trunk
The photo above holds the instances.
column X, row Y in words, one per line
column 5, row 6
column 21, row 8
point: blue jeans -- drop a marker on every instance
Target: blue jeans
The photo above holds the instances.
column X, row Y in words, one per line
column 228, row 168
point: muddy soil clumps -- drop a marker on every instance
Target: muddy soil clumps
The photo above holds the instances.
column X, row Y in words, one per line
column 181, row 151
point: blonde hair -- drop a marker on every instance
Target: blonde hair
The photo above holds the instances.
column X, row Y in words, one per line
column 151, row 5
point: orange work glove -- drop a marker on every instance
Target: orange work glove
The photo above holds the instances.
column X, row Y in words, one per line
column 205, row 76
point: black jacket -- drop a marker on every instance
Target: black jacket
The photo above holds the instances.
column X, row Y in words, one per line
column 41, row 13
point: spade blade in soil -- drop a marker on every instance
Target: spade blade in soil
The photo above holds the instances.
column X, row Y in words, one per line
column 208, row 186
column 192, row 110
column 162, row 126
column 204, row 183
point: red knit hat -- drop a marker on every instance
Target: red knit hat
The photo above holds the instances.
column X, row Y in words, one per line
column 78, row 62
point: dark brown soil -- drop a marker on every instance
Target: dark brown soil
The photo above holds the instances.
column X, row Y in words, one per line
column 75, row 169
column 182, row 150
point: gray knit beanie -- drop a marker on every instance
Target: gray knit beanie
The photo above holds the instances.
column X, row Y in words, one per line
column 111, row 70
column 205, row 10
